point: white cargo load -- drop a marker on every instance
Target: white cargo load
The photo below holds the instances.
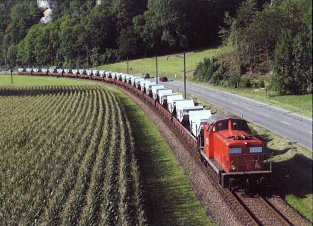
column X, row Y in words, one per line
column 142, row 85
column 132, row 80
column 44, row 70
column 155, row 89
column 29, row 70
column 197, row 119
column 108, row 73
column 137, row 81
column 162, row 92
column 101, row 73
column 148, row 86
column 124, row 77
column 183, row 107
column 75, row 71
column 82, row 71
column 66, row 71
column 128, row 77
column 95, row 72
column 51, row 70
column 89, row 72
column 115, row 75
column 171, row 101
column 60, row 71
column 164, row 98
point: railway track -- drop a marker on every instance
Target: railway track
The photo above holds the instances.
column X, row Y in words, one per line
column 260, row 209
column 250, row 210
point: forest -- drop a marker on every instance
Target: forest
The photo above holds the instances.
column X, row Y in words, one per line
column 266, row 36
column 85, row 34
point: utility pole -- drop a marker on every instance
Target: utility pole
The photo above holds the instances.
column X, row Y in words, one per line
column 11, row 76
column 127, row 66
column 156, row 68
column 185, row 74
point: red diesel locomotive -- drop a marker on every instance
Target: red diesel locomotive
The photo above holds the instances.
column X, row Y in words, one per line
column 224, row 142
column 233, row 153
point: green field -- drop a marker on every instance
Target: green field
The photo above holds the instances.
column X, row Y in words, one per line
column 73, row 154
column 60, row 162
column 173, row 64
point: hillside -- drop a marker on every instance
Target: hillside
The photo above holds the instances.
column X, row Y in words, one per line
column 168, row 65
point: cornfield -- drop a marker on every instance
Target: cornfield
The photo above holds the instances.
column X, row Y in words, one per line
column 67, row 157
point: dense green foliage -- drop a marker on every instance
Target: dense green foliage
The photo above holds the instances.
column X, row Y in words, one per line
column 85, row 34
column 276, row 39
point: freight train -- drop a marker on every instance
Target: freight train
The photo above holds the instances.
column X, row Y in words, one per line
column 224, row 142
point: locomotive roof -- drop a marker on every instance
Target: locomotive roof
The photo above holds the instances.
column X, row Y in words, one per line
column 216, row 118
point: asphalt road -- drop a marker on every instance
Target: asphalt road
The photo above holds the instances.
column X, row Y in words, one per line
column 285, row 123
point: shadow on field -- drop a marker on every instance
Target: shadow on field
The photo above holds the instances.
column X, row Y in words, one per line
column 293, row 176
column 39, row 91
column 292, row 179
column 291, row 172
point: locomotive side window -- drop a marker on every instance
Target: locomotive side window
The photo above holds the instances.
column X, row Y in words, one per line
column 234, row 150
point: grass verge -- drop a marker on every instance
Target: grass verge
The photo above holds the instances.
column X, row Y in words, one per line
column 169, row 198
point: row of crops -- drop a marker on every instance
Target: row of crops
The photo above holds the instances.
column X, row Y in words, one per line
column 67, row 157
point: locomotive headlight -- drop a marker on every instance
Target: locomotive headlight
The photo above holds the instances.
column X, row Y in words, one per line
column 233, row 166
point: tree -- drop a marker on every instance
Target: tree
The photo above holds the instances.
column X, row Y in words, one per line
column 282, row 80
column 302, row 64
column 165, row 23
column 22, row 16
column 126, row 10
column 128, row 43
column 69, row 34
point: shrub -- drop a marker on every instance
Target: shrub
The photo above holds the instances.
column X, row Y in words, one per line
column 234, row 80
column 205, row 69
column 219, row 75
column 245, row 82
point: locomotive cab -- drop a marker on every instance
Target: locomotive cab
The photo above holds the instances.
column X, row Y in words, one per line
column 234, row 153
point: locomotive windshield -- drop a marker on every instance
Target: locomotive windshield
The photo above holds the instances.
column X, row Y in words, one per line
column 222, row 125
column 240, row 125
